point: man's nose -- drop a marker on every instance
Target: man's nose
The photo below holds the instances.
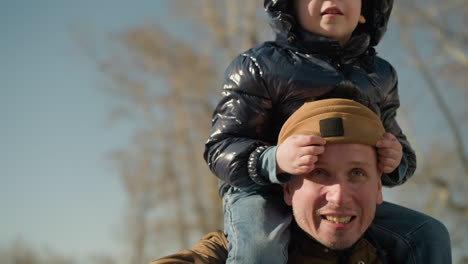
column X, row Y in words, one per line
column 338, row 194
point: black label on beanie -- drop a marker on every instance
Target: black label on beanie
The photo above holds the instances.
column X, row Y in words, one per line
column 331, row 127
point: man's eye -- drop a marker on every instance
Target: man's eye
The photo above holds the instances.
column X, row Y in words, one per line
column 319, row 176
column 316, row 173
column 357, row 173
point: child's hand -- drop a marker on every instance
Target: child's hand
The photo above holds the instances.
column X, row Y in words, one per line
column 390, row 153
column 298, row 153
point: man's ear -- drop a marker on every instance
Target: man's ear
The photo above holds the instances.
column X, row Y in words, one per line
column 287, row 194
column 379, row 193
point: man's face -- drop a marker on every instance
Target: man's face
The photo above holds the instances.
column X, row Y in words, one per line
column 335, row 19
column 336, row 202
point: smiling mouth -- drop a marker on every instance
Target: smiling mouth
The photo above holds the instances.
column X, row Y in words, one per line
column 331, row 11
column 337, row 219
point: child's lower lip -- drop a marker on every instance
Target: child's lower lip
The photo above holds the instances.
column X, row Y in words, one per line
column 331, row 11
column 324, row 15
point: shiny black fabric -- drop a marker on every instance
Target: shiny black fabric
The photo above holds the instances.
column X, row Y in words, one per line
column 263, row 86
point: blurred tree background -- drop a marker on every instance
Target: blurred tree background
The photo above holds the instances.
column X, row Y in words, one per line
column 166, row 83
column 170, row 83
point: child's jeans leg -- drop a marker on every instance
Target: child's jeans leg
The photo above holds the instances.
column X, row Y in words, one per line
column 413, row 237
column 256, row 222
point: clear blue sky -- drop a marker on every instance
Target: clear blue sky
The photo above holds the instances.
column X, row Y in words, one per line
column 57, row 188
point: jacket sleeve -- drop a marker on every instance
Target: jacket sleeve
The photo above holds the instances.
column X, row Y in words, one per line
column 211, row 249
column 239, row 122
column 388, row 109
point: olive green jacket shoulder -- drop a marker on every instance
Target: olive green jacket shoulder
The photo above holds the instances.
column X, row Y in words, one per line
column 212, row 249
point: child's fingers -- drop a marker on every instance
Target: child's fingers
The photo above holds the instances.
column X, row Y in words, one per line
column 308, row 160
column 306, row 140
column 389, row 144
column 389, row 136
column 388, row 140
column 387, row 164
column 388, row 153
column 312, row 150
column 386, row 169
column 301, row 169
column 384, row 143
column 304, row 169
column 316, row 140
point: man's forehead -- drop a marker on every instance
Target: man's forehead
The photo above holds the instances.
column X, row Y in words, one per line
column 354, row 163
column 358, row 154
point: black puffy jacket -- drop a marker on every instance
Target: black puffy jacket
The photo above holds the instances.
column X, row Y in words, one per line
column 263, row 86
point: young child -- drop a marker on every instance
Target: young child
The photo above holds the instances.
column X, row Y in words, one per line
column 323, row 48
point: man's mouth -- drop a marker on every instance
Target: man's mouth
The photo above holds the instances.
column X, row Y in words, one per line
column 332, row 11
column 338, row 219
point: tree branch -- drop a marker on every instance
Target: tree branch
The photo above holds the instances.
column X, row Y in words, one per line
column 431, row 84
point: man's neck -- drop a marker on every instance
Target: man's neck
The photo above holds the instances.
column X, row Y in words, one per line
column 304, row 246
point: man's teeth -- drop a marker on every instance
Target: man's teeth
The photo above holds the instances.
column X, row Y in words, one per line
column 338, row 220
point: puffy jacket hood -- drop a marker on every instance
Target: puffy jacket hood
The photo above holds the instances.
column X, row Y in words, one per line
column 376, row 12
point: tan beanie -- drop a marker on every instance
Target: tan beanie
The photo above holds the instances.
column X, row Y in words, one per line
column 336, row 120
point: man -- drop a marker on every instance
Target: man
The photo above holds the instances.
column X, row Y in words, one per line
column 334, row 205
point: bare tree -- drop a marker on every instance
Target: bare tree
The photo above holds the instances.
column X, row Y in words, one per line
column 447, row 57
column 436, row 41
column 167, row 86
column 21, row 252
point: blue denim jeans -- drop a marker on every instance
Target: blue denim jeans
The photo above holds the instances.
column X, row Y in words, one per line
column 256, row 222
column 411, row 237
